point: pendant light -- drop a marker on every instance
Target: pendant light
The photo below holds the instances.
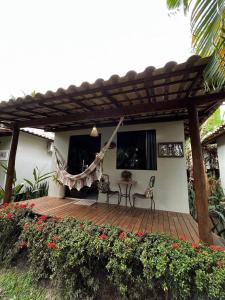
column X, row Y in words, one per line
column 94, row 132
column 4, row 128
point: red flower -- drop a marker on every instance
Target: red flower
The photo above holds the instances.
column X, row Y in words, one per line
column 140, row 233
column 24, row 205
column 9, row 215
column 52, row 245
column 42, row 218
column 6, row 204
column 122, row 235
column 26, row 227
column 175, row 246
column 221, row 249
column 182, row 238
column 15, row 206
column 194, row 246
column 39, row 222
column 103, row 236
column 32, row 205
column 213, row 247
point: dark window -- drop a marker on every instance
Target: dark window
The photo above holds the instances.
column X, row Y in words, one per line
column 136, row 150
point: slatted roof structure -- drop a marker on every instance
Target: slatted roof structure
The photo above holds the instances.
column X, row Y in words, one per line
column 212, row 136
column 154, row 95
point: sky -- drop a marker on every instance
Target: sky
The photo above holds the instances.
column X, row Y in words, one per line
column 48, row 44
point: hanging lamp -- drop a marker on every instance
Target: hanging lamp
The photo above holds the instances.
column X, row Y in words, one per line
column 94, row 132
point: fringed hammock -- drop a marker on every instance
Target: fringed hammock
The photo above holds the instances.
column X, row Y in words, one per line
column 91, row 174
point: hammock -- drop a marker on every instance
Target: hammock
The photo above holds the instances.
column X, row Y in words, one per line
column 91, row 174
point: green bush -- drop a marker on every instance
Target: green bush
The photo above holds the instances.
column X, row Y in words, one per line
column 85, row 261
column 10, row 228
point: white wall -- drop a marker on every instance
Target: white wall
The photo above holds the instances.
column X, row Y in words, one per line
column 221, row 158
column 31, row 152
column 171, row 182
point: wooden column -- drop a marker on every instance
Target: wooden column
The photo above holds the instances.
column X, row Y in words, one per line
column 11, row 165
column 201, row 195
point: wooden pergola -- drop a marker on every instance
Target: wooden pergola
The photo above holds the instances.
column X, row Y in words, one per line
column 175, row 92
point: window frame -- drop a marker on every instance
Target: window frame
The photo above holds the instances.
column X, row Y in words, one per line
column 148, row 156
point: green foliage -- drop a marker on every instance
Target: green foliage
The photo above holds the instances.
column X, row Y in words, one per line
column 38, row 185
column 16, row 187
column 213, row 122
column 216, row 210
column 10, row 229
column 31, row 188
column 84, row 260
column 208, row 35
column 191, row 198
column 19, row 286
column 216, row 191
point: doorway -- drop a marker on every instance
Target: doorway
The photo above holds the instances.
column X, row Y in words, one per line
column 82, row 152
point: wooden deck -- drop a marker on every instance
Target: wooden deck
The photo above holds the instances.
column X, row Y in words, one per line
column 130, row 219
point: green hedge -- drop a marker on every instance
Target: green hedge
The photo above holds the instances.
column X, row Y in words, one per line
column 86, row 261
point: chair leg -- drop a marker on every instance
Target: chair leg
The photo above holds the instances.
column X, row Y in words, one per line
column 119, row 199
column 152, row 205
column 107, row 198
column 134, row 198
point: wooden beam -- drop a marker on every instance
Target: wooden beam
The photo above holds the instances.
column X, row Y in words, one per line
column 11, row 165
column 110, row 98
column 113, row 123
column 129, row 110
column 201, row 196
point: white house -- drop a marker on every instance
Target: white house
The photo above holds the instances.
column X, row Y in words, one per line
column 218, row 137
column 160, row 107
column 34, row 149
column 167, row 169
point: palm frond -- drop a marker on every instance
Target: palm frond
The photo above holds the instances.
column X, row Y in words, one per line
column 208, row 38
column 176, row 4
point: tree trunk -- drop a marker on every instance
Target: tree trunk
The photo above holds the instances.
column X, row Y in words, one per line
column 11, row 165
column 201, row 195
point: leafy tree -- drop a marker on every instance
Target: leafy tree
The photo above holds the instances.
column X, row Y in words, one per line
column 208, row 35
column 213, row 122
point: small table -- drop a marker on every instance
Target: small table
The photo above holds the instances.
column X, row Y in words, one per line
column 128, row 185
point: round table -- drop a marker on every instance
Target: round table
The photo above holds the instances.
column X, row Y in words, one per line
column 128, row 185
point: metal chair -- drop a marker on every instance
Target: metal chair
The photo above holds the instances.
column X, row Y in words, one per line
column 148, row 194
column 104, row 188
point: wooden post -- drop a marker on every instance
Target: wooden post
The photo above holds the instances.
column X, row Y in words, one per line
column 201, row 195
column 11, row 165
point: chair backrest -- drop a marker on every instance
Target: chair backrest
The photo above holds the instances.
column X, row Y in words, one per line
column 151, row 182
column 103, row 184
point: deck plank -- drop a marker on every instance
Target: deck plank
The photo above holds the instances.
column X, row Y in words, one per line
column 126, row 218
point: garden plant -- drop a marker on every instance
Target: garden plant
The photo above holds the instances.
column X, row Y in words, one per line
column 86, row 261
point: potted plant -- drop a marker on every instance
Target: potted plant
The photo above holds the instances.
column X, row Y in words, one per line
column 126, row 175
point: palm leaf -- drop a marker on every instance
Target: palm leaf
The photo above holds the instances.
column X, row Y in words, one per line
column 208, row 36
column 18, row 188
column 44, row 178
column 29, row 182
column 208, row 31
column 35, row 173
column 176, row 4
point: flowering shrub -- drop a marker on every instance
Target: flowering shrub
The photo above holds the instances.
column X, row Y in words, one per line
column 83, row 260
column 10, row 229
